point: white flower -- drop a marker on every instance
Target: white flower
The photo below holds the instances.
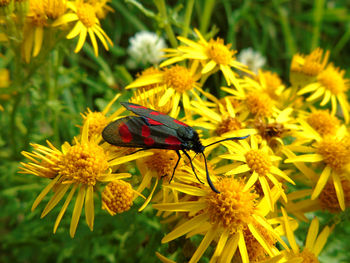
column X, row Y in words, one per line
column 145, row 48
column 252, row 59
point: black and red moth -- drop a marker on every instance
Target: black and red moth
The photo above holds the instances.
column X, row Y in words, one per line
column 154, row 130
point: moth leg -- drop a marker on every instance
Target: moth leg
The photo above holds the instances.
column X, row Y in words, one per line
column 208, row 177
column 194, row 171
column 177, row 163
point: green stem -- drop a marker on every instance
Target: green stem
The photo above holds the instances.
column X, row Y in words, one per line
column 160, row 4
column 317, row 17
column 129, row 16
column 286, row 29
column 187, row 19
column 13, row 129
column 205, row 18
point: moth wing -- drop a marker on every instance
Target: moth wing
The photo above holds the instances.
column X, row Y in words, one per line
column 137, row 132
column 153, row 115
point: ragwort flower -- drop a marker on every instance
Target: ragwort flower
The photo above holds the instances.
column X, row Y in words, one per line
column 77, row 168
column 225, row 218
column 213, row 55
column 86, row 23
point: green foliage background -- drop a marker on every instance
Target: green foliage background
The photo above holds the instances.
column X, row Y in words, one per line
column 60, row 90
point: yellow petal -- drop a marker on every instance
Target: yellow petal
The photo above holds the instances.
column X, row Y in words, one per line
column 312, row 234
column 267, row 193
column 186, row 227
column 44, row 192
column 75, row 30
column 101, row 38
column 230, row 249
column 59, row 193
column 181, row 206
column 130, row 157
column 220, row 246
column 308, row 88
column 64, row 207
column 321, row 182
column 38, row 40
column 65, row 19
column 164, row 259
column 149, row 198
column 321, row 241
column 89, row 207
column 339, row 191
column 260, row 239
column 326, row 98
column 318, row 93
column 93, row 41
column 344, row 105
column 166, row 97
column 289, row 232
column 251, row 181
column 77, row 210
column 81, row 41
column 208, row 238
column 242, row 248
column 306, row 158
column 209, row 67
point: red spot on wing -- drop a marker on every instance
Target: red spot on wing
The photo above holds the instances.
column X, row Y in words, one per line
column 172, row 142
column 124, row 133
column 153, row 122
column 148, row 141
column 180, row 122
column 154, row 113
column 137, row 107
column 145, row 131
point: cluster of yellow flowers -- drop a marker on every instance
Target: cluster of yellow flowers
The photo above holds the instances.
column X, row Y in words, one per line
column 32, row 24
column 293, row 141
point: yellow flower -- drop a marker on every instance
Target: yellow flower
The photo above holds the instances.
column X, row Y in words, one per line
column 98, row 120
column 323, row 122
column 213, row 54
column 331, row 86
column 224, row 121
column 87, row 23
column 40, row 11
column 230, row 219
column 305, row 68
column 313, row 245
column 331, row 154
column 101, row 7
column 179, row 82
column 79, row 167
column 258, row 164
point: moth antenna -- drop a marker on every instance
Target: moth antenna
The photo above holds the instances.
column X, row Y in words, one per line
column 208, row 177
column 194, row 171
column 228, row 139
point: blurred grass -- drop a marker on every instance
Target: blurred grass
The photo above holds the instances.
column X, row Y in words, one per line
column 277, row 29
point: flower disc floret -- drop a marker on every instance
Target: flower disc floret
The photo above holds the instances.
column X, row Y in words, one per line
column 258, row 162
column 328, row 197
column 84, row 163
column 218, row 52
column 259, row 104
column 228, row 124
column 97, row 122
column 117, row 197
column 179, row 78
column 232, row 208
column 335, row 153
column 323, row 122
column 163, row 162
column 86, row 14
column 332, row 79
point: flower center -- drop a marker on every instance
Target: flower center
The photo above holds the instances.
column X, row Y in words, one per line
column 336, row 154
column 54, row 8
column 258, row 161
column 232, row 208
column 84, row 163
column 273, row 82
column 163, row 162
column 308, row 256
column 323, row 122
column 37, row 14
column 86, row 14
column 228, row 124
column 117, row 197
column 97, row 122
column 220, row 53
column 269, row 130
column 332, row 79
column 259, row 104
column 328, row 197
column 179, row 78
column 311, row 64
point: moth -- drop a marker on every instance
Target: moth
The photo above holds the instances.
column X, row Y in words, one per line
column 154, row 130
